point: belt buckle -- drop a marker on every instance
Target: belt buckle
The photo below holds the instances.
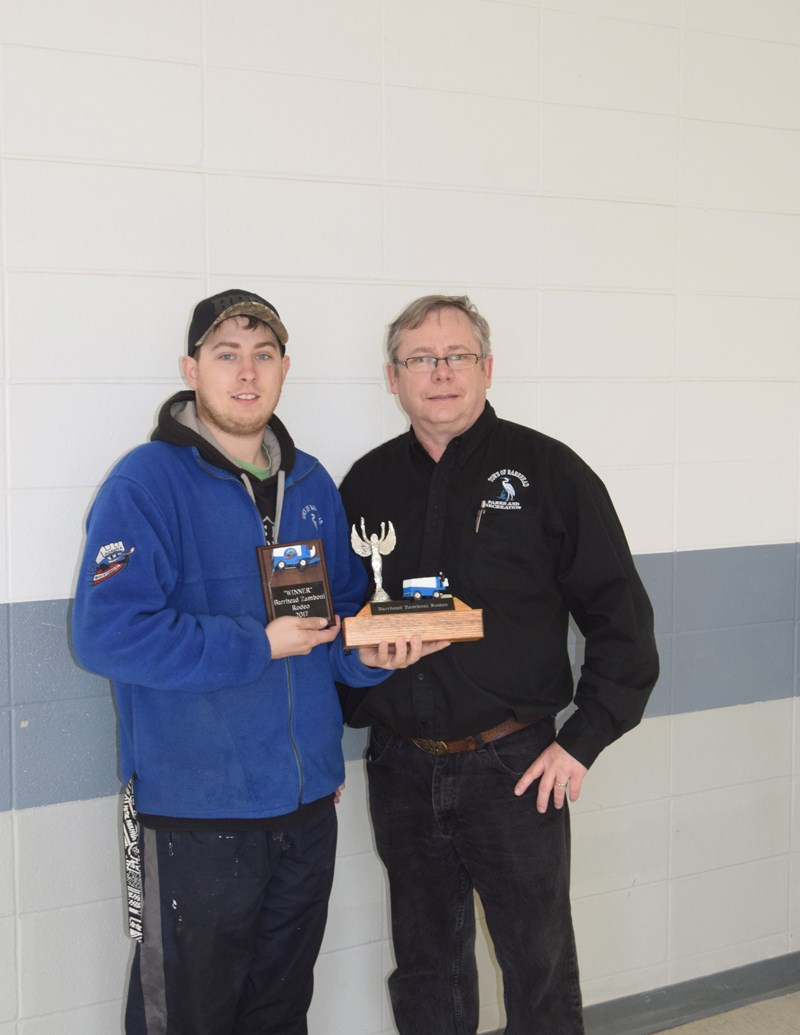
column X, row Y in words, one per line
column 430, row 747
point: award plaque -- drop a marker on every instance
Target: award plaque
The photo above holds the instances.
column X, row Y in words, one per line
column 427, row 609
column 294, row 579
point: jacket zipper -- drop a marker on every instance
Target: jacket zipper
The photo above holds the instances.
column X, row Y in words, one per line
column 227, row 476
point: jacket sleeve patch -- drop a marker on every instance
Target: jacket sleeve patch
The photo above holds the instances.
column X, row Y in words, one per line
column 110, row 560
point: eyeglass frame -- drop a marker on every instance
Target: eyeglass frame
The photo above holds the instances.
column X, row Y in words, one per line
column 430, row 364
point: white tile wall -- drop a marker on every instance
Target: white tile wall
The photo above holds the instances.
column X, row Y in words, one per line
column 620, row 848
column 614, row 182
column 107, row 218
column 61, row 112
column 55, row 517
column 127, row 411
column 740, row 167
column 748, row 338
column 341, row 125
column 729, row 79
column 8, row 972
column 736, row 746
column 110, row 328
column 69, row 855
column 300, row 228
column 450, row 53
column 518, row 401
column 102, row 1017
column 617, row 423
column 72, row 957
column 644, row 500
column 152, row 29
column 347, row 984
column 636, row 771
column 598, row 335
column 623, row 930
column 730, row 825
column 659, row 12
column 727, row 958
column 776, row 20
column 307, row 37
column 733, row 504
column 459, row 139
column 738, row 253
column 609, row 154
column 736, row 422
column 342, row 414
column 575, row 245
column 7, row 895
column 609, row 63
column 727, row 906
column 435, row 236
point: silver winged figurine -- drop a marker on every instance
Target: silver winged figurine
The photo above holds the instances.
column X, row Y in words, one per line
column 375, row 546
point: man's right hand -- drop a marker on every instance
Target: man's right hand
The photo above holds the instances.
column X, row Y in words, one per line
column 289, row 636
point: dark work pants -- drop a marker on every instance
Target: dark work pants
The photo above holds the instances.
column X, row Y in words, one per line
column 446, row 825
column 233, row 922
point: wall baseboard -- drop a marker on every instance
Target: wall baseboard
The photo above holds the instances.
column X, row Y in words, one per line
column 664, row 1008
column 688, row 1001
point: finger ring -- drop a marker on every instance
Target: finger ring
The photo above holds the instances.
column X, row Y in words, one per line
column 563, row 786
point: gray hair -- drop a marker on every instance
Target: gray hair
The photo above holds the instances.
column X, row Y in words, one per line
column 417, row 312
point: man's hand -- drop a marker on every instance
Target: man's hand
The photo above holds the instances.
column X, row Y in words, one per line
column 558, row 770
column 399, row 654
column 289, row 636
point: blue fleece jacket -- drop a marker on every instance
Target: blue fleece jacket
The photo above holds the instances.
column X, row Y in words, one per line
column 169, row 605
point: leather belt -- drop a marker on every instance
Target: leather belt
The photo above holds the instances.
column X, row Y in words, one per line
column 453, row 747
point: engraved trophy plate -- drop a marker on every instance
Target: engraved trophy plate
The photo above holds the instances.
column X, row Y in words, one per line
column 294, row 578
column 427, row 609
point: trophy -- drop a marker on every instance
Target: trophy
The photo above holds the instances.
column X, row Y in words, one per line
column 294, row 579
column 427, row 609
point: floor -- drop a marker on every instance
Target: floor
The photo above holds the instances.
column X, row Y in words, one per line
column 779, row 1016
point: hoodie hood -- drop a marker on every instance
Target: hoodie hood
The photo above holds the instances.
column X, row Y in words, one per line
column 179, row 425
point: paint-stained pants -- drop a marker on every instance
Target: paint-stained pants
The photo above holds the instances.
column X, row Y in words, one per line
column 233, row 922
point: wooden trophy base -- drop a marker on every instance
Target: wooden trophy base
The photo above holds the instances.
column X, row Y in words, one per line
column 409, row 618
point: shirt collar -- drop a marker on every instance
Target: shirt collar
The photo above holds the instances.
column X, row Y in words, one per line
column 461, row 448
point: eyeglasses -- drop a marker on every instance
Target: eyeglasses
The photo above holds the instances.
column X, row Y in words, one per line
column 455, row 361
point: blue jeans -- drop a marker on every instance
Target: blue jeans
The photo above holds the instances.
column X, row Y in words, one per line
column 446, row 825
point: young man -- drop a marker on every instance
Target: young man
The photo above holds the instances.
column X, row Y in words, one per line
column 467, row 777
column 230, row 730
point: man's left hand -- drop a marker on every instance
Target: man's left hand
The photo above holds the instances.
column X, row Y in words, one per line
column 399, row 654
column 558, row 771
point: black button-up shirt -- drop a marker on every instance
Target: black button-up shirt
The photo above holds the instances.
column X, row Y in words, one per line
column 524, row 529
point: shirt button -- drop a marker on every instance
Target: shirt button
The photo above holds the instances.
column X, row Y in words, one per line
column 420, row 676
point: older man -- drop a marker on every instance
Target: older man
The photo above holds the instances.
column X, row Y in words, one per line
column 468, row 778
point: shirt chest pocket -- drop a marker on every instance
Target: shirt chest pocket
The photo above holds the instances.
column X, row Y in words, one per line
column 503, row 549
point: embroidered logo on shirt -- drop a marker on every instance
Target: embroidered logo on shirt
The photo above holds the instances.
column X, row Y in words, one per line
column 505, row 485
column 310, row 512
column 110, row 560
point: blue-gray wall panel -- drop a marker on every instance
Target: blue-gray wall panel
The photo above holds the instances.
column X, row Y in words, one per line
column 5, row 759
column 354, row 744
column 727, row 621
column 719, row 588
column 716, row 668
column 42, row 665
column 656, row 570
column 64, row 751
column 660, row 702
column 797, row 624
